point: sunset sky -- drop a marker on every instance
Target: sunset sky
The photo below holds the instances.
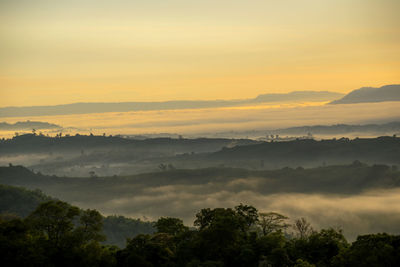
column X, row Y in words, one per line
column 57, row 52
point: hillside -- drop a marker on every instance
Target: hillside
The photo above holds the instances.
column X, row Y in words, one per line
column 107, row 156
column 371, row 94
column 21, row 202
column 303, row 152
column 32, row 143
column 180, row 193
column 57, row 233
column 341, row 179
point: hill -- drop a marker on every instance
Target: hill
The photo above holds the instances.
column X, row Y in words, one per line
column 307, row 153
column 371, row 94
column 21, row 202
column 393, row 127
column 303, row 152
column 27, row 125
column 341, row 179
column 108, row 156
column 32, row 143
column 317, row 193
column 298, row 96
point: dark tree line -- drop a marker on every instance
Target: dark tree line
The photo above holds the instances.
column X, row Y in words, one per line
column 58, row 234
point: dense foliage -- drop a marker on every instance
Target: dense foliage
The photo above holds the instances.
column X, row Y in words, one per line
column 351, row 178
column 19, row 202
column 58, row 234
column 118, row 228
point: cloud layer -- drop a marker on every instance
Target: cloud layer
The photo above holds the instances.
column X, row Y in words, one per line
column 372, row 211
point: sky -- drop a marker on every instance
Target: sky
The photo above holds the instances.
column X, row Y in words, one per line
column 65, row 51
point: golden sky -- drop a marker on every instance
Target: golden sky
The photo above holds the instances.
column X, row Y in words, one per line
column 64, row 51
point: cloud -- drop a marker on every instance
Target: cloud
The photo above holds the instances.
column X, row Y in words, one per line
column 372, row 211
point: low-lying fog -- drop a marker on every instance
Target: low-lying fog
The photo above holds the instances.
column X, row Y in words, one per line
column 208, row 121
column 369, row 212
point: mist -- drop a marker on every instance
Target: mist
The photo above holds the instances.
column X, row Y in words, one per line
column 370, row 212
column 209, row 121
column 357, row 198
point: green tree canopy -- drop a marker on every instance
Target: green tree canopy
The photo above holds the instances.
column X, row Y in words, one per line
column 172, row 226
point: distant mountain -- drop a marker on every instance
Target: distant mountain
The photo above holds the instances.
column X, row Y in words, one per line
column 84, row 108
column 299, row 95
column 27, row 125
column 371, row 94
column 391, row 127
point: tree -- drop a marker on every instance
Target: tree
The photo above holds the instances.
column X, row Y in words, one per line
column 69, row 236
column 18, row 245
column 303, row 263
column 148, row 250
column 92, row 174
column 320, row 247
column 272, row 222
column 91, row 224
column 204, row 218
column 54, row 219
column 302, row 228
column 248, row 216
column 63, row 225
column 220, row 234
column 371, row 250
column 272, row 249
column 168, row 225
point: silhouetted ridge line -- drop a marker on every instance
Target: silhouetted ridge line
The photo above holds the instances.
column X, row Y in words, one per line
column 371, row 94
column 83, row 108
column 27, row 125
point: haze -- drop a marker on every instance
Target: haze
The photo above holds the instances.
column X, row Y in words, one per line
column 57, row 52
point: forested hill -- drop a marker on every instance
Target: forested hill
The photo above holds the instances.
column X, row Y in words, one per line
column 32, row 143
column 58, row 234
column 18, row 201
column 341, row 179
column 302, row 152
column 107, row 156
column 385, row 146
column 390, row 127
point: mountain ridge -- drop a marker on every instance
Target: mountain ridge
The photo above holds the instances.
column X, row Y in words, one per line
column 100, row 107
column 371, row 95
column 28, row 125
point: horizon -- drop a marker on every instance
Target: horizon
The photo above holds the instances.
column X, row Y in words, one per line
column 209, row 100
column 197, row 100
